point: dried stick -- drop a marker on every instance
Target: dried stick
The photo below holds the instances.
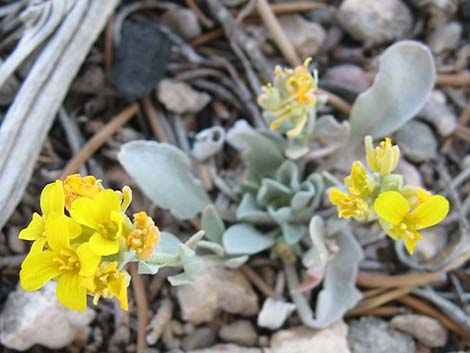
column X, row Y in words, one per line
column 426, row 309
column 157, row 129
column 11, row 261
column 258, row 282
column 380, row 311
column 460, row 80
column 142, row 306
column 410, row 279
column 380, row 299
column 99, row 139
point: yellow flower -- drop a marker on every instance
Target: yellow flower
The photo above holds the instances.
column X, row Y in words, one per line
column 52, row 203
column 384, row 158
column 108, row 282
column 145, row 236
column 62, row 262
column 290, row 98
column 348, row 205
column 401, row 221
column 75, row 186
column 103, row 215
column 359, row 183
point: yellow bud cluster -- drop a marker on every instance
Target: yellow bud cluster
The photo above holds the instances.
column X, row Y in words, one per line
column 401, row 210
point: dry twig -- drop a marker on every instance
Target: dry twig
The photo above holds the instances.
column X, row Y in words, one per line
column 142, row 306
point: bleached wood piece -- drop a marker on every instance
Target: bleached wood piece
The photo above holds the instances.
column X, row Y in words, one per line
column 30, row 116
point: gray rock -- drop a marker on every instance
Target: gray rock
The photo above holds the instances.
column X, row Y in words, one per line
column 183, row 22
column 30, row 318
column 240, row 332
column 417, row 141
column 217, row 289
column 434, row 241
column 200, row 338
column 372, row 335
column 180, row 97
column 424, row 328
column 306, row 37
column 306, row 340
column 445, row 37
column 375, row 21
column 439, row 114
column 349, row 76
column 227, row 348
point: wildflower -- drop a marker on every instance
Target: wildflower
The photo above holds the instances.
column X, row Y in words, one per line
column 60, row 261
column 145, row 236
column 108, row 282
column 384, row 158
column 348, row 205
column 52, row 203
column 103, row 215
column 75, row 186
column 401, row 221
column 290, row 98
column 359, row 183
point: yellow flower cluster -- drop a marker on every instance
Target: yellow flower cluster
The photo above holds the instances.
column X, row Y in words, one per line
column 290, row 98
column 401, row 210
column 82, row 224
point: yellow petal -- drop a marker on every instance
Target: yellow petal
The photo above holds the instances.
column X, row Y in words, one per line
column 298, row 127
column 37, row 269
column 34, row 230
column 430, row 212
column 74, row 229
column 85, row 212
column 89, row 261
column 370, row 154
column 118, row 288
column 57, row 232
column 103, row 246
column 391, row 206
column 337, row 197
column 52, row 198
column 70, row 291
column 277, row 123
column 38, row 246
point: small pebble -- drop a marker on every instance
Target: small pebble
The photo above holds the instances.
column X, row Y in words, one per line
column 445, row 37
column 201, row 338
column 180, row 97
column 424, row 328
column 306, row 37
column 239, row 332
column 439, row 114
column 183, row 22
column 417, row 141
column 375, row 21
column 351, row 76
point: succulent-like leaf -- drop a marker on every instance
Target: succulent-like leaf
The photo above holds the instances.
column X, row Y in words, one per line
column 163, row 172
column 236, row 262
column 339, row 293
column 262, row 154
column 292, row 233
column 212, row 224
column 243, row 239
column 401, row 88
column 249, row 211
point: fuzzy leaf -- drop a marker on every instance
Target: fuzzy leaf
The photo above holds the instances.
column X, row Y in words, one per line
column 260, row 153
column 243, row 239
column 163, row 173
column 147, row 268
column 292, row 233
column 249, row 211
column 212, row 224
column 401, row 88
column 236, row 262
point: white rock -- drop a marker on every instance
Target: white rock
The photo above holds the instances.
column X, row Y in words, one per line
column 180, row 97
column 375, row 21
column 184, row 22
column 216, row 289
column 306, row 37
column 424, row 328
column 240, row 332
column 274, row 313
column 445, row 37
column 227, row 348
column 30, row 318
column 208, row 142
column 305, row 340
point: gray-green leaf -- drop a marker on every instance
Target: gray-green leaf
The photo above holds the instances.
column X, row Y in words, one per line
column 243, row 239
column 163, row 172
column 401, row 88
